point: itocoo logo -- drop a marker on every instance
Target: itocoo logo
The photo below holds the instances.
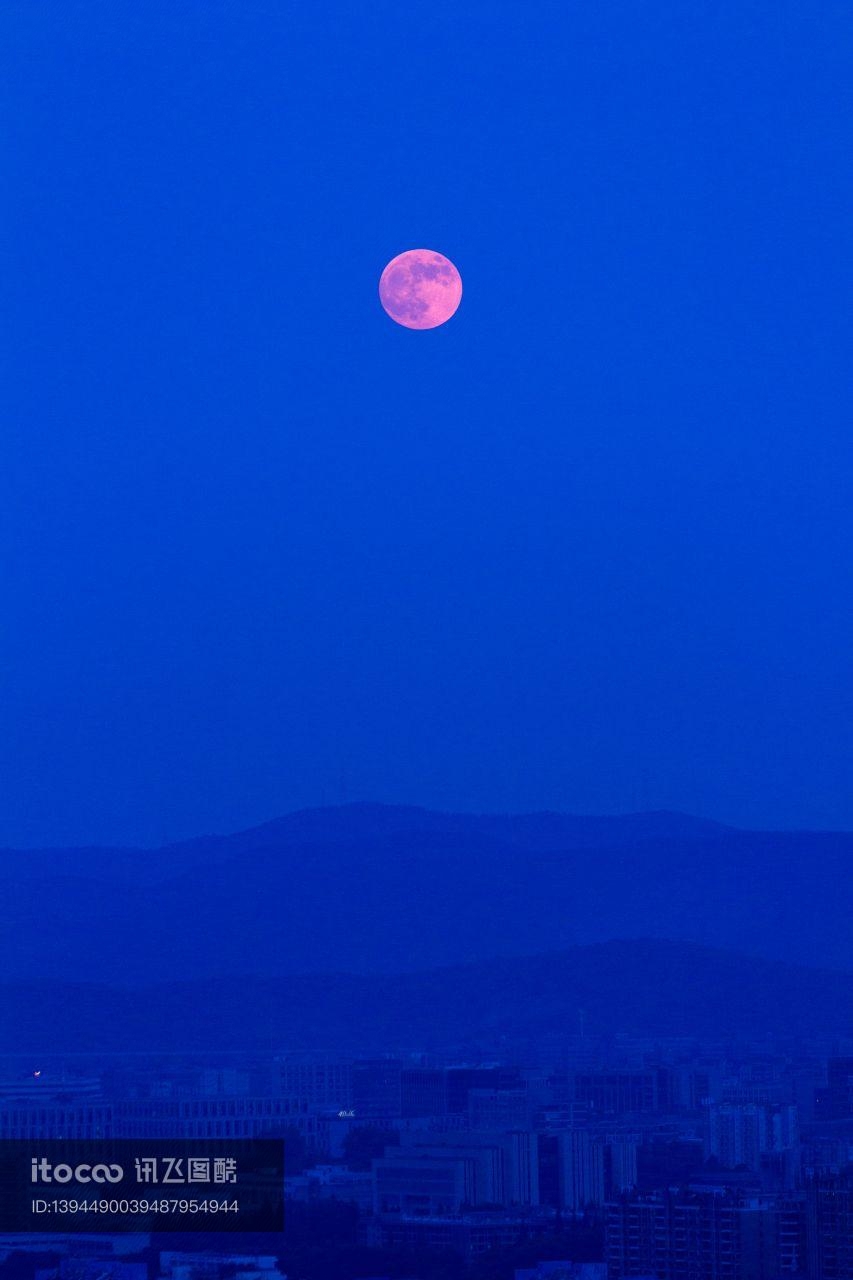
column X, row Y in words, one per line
column 44, row 1171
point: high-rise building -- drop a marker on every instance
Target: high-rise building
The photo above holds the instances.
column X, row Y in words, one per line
column 423, row 1092
column 581, row 1169
column 710, row 1234
column 830, row 1202
column 834, row 1100
column 739, row 1135
column 620, row 1165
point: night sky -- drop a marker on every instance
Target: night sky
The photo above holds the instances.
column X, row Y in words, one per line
column 588, row 546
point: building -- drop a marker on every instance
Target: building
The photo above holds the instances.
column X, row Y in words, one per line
column 209, row 1265
column 744, row 1135
column 580, row 1164
column 737, row 1135
column 834, row 1100
column 706, row 1234
column 423, row 1092
column 437, row 1173
column 324, row 1083
column 77, row 1245
column 564, row 1271
column 377, row 1089
column 88, row 1268
column 830, row 1220
column 499, row 1109
column 332, row 1182
column 610, row 1093
column 620, row 1165
column 39, row 1118
column 666, row 1160
column 636, row 1237
column 428, row 1183
column 460, row 1081
column 467, row 1234
column 218, row 1117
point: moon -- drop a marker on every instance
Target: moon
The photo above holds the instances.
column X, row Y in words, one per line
column 420, row 289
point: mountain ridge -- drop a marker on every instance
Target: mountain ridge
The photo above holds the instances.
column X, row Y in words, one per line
column 373, row 817
column 384, row 889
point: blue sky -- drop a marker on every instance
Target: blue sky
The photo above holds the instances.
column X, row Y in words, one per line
column 587, row 546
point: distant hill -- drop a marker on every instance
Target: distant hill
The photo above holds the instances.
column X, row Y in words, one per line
column 358, row 823
column 382, row 889
column 644, row 987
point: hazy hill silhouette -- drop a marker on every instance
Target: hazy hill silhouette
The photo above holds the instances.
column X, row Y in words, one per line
column 381, row 889
column 643, row 987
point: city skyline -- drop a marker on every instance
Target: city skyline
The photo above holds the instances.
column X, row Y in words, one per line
column 584, row 1158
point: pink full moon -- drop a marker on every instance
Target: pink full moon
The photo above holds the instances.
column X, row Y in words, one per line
column 420, row 289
